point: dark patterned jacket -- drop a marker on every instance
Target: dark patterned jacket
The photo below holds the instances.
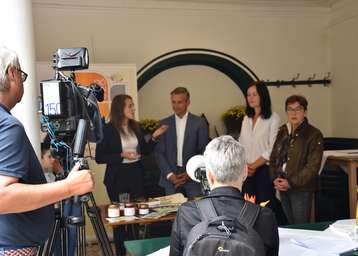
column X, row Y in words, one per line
column 302, row 151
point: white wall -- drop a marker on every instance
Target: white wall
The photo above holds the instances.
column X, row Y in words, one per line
column 274, row 43
column 344, row 49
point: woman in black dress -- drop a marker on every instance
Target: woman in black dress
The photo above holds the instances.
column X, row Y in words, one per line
column 121, row 149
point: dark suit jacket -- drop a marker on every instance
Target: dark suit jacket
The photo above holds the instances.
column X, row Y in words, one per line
column 195, row 139
column 227, row 201
column 109, row 150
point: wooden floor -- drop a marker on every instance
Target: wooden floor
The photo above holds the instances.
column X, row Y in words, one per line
column 95, row 250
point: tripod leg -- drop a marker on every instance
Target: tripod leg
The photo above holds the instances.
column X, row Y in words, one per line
column 50, row 242
column 95, row 217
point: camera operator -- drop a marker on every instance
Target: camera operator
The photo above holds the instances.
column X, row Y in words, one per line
column 24, row 196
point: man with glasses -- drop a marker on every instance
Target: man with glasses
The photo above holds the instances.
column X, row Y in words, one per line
column 26, row 211
column 295, row 160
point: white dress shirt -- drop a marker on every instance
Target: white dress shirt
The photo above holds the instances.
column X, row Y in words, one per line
column 258, row 140
column 180, row 124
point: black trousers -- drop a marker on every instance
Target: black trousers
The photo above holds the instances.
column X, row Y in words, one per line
column 260, row 185
column 129, row 179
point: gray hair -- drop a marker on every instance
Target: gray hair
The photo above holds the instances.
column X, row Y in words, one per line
column 7, row 58
column 225, row 157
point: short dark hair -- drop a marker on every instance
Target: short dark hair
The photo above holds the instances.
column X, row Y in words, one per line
column 265, row 100
column 181, row 90
column 44, row 148
column 297, row 98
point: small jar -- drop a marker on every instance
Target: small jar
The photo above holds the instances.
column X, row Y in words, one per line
column 143, row 209
column 129, row 209
column 113, row 211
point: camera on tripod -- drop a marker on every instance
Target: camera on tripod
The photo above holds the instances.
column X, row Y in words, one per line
column 71, row 115
column 64, row 102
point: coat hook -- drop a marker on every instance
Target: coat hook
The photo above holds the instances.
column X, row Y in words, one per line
column 310, row 79
column 294, row 79
column 328, row 76
column 278, row 84
column 326, row 79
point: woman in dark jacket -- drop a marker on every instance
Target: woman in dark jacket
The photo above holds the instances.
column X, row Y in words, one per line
column 121, row 149
column 295, row 160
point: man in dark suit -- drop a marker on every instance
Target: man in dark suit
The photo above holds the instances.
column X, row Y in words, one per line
column 186, row 136
column 224, row 159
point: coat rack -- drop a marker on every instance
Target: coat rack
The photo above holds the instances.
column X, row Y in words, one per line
column 309, row 81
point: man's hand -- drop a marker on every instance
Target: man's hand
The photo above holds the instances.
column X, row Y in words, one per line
column 179, row 179
column 183, row 178
column 79, row 181
column 281, row 184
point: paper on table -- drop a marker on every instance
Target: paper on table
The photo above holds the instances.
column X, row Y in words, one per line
column 162, row 252
column 343, row 228
column 122, row 218
column 323, row 243
column 177, row 198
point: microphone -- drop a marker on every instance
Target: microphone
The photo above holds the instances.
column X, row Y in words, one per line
column 195, row 168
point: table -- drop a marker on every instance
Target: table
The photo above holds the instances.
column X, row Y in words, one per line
column 349, row 163
column 143, row 221
column 147, row 246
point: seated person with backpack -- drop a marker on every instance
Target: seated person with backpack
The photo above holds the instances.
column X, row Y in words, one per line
column 223, row 223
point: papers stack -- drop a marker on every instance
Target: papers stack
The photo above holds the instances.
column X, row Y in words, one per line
column 335, row 240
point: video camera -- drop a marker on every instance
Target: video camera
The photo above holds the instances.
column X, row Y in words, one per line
column 196, row 170
column 64, row 102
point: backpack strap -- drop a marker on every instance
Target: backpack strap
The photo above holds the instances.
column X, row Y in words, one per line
column 206, row 209
column 249, row 214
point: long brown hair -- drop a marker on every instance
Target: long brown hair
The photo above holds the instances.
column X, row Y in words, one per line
column 116, row 117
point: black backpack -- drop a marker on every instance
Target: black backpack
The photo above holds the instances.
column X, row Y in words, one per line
column 221, row 235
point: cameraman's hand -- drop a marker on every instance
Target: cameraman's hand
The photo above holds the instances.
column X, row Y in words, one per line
column 79, row 181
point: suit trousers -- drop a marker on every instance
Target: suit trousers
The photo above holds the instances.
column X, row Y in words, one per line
column 129, row 179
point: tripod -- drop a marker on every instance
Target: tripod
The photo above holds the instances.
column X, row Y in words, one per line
column 62, row 223
column 87, row 205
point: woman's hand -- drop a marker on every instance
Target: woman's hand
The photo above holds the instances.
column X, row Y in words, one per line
column 281, row 184
column 130, row 155
column 251, row 169
column 162, row 129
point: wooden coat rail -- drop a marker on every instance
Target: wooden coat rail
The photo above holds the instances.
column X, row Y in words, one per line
column 310, row 81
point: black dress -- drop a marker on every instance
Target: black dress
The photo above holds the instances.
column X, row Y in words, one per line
column 121, row 177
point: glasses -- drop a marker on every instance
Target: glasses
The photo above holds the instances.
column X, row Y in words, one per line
column 294, row 110
column 23, row 74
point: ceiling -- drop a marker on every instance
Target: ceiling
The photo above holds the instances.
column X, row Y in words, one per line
column 317, row 3
column 266, row 3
